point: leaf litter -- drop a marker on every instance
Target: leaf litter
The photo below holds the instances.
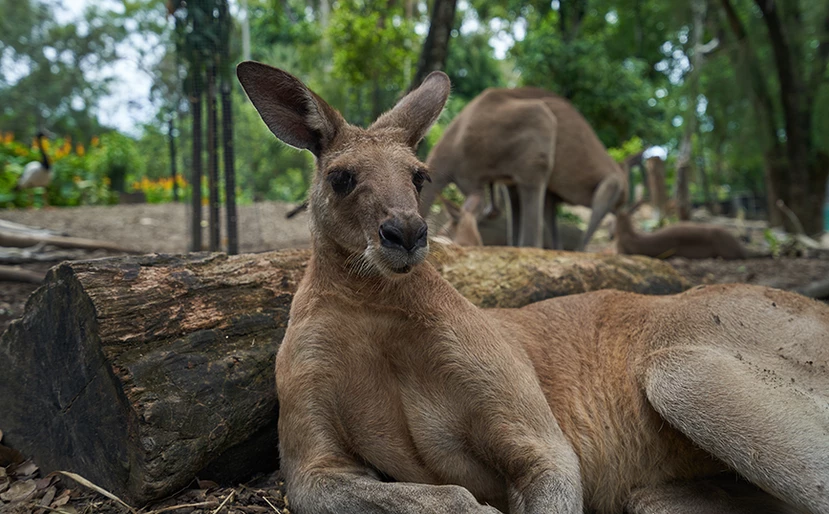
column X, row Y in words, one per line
column 24, row 491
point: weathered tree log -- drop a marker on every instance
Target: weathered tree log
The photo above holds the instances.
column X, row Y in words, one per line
column 140, row 373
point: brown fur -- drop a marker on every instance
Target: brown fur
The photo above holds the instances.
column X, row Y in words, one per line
column 537, row 142
column 397, row 395
column 689, row 240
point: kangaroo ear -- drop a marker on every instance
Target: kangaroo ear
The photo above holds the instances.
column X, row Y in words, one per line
column 294, row 113
column 473, row 204
column 416, row 112
column 451, row 208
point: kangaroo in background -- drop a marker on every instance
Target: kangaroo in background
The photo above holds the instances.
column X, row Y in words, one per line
column 689, row 240
column 397, row 395
column 467, row 226
column 536, row 142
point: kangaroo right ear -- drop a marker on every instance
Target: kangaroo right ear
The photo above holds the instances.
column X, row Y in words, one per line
column 294, row 113
column 451, row 208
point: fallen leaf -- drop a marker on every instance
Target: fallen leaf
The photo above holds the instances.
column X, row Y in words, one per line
column 43, row 483
column 48, row 496
column 2, row 472
column 25, row 469
column 67, row 509
column 62, row 499
column 19, row 491
column 4, row 484
column 207, row 484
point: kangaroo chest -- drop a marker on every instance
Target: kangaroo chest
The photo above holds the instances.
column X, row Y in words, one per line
column 401, row 406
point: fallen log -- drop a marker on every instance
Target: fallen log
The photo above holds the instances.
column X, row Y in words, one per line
column 818, row 289
column 22, row 240
column 139, row 373
column 17, row 274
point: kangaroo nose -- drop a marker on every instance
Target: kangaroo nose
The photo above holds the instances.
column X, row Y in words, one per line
column 406, row 236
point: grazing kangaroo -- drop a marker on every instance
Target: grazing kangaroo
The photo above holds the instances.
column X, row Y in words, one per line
column 397, row 395
column 689, row 240
column 537, row 142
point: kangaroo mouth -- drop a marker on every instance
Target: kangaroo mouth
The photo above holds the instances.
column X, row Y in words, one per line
column 393, row 262
column 403, row 269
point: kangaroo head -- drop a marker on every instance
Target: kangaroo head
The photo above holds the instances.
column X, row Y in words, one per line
column 365, row 193
column 462, row 227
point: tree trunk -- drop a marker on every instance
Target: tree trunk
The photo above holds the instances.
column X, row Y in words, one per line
column 230, row 171
column 172, row 141
column 140, row 373
column 746, row 58
column 195, row 179
column 213, row 161
column 436, row 47
column 655, row 167
column 686, row 148
column 797, row 103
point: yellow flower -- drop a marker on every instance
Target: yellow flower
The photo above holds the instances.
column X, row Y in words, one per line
column 8, row 137
column 80, row 150
column 95, row 141
column 45, row 144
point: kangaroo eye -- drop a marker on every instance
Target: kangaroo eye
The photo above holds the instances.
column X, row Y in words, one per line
column 418, row 178
column 342, row 181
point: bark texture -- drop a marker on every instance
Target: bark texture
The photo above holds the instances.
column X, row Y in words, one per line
column 140, row 373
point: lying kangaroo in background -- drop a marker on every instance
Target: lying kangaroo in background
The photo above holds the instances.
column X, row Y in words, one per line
column 468, row 227
column 689, row 240
column 397, row 395
column 537, row 142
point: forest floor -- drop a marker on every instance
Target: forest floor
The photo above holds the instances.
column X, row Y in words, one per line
column 262, row 227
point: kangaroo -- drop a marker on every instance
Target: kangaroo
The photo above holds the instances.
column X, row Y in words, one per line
column 535, row 141
column 397, row 395
column 465, row 228
column 689, row 240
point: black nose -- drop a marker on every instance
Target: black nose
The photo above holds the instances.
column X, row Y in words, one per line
column 406, row 236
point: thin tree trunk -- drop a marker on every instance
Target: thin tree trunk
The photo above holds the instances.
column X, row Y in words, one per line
column 702, row 174
column 212, row 160
column 172, row 141
column 230, row 171
column 683, row 166
column 195, row 179
column 436, row 47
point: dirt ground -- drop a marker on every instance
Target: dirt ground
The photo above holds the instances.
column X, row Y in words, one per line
column 262, row 227
column 165, row 228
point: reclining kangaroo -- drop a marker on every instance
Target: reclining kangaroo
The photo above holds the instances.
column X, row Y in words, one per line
column 397, row 395
column 689, row 240
column 535, row 141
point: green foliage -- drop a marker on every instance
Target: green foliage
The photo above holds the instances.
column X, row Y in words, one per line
column 774, row 243
column 118, row 160
column 74, row 182
column 42, row 81
column 358, row 30
column 630, row 147
column 612, row 94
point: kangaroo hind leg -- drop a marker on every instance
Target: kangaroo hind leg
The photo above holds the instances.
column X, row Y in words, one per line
column 725, row 494
column 605, row 198
column 776, row 435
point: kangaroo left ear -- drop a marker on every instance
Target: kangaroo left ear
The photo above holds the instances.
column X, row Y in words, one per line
column 416, row 112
